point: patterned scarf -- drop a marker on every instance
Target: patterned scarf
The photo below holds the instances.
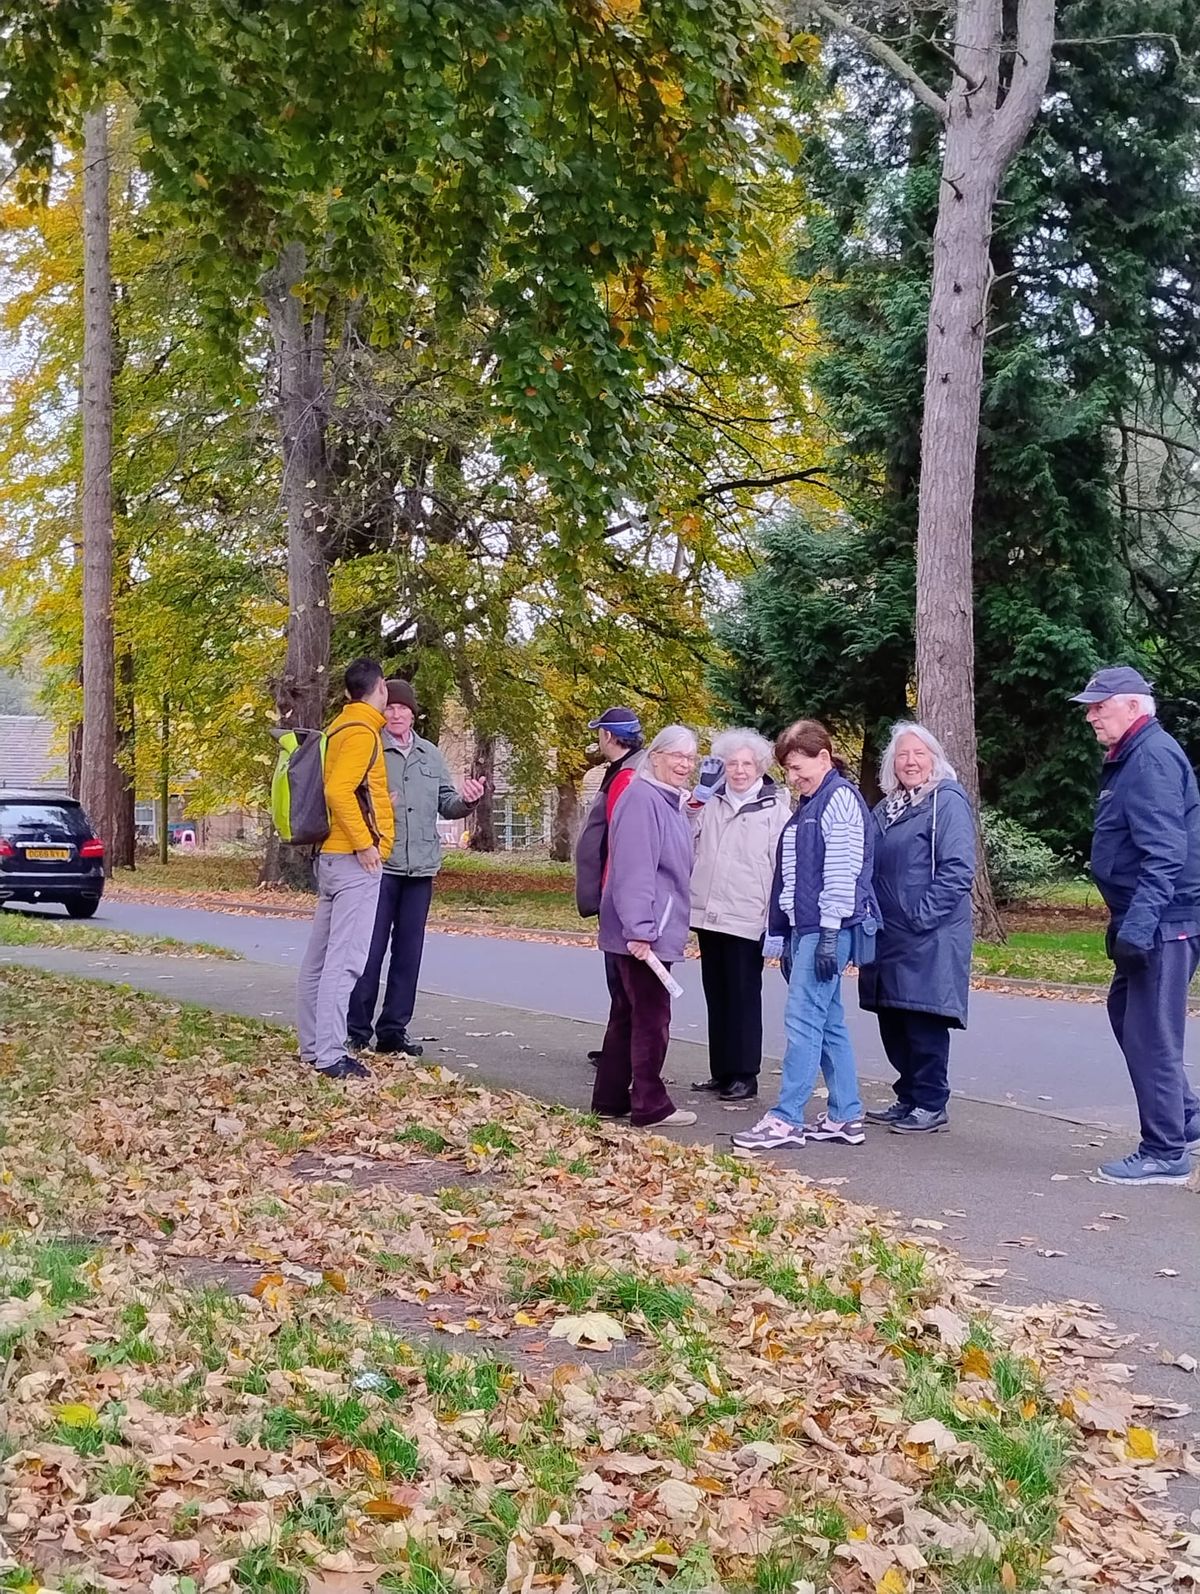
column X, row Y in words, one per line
column 901, row 800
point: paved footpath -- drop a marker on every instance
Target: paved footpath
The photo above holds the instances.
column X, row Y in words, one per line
column 1055, row 1056
column 1010, row 1185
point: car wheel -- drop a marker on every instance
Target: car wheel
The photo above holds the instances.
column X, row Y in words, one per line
column 81, row 907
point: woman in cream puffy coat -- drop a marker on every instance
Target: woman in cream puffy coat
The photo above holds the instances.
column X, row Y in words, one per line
column 739, row 813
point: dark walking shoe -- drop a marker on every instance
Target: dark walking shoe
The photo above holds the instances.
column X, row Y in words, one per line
column 398, row 1046
column 345, row 1068
column 887, row 1115
column 920, row 1121
column 594, row 1059
column 739, row 1090
column 708, row 1084
column 358, row 1043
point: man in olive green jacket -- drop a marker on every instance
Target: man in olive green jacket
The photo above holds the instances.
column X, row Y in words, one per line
column 422, row 791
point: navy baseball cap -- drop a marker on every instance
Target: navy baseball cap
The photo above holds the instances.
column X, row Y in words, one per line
column 1122, row 680
column 620, row 721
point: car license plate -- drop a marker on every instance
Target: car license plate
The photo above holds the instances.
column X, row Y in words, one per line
column 48, row 852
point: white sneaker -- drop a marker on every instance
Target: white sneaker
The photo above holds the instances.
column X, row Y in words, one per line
column 679, row 1119
column 769, row 1133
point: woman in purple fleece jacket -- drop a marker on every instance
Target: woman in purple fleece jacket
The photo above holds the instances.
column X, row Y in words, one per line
column 646, row 908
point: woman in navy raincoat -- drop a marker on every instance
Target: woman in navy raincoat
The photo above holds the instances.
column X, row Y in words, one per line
column 924, row 870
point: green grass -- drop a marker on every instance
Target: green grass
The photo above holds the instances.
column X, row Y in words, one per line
column 461, row 1384
column 1069, row 957
column 37, row 929
column 428, row 1139
column 260, row 1571
column 347, row 1419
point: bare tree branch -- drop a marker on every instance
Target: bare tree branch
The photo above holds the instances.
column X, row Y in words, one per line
column 761, row 481
column 1121, row 38
column 884, row 53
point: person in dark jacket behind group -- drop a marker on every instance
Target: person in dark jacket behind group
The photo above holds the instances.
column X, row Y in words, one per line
column 619, row 737
column 644, row 909
column 924, row 869
column 1146, row 862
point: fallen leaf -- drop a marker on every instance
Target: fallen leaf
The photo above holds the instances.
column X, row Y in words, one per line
column 594, row 1330
column 976, row 1363
column 679, row 1499
column 1167, row 1273
column 893, row 1581
column 952, row 1329
column 1141, row 1444
column 76, row 1415
column 935, row 1433
column 927, row 1223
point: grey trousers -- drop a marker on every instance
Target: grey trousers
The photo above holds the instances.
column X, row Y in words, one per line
column 336, row 954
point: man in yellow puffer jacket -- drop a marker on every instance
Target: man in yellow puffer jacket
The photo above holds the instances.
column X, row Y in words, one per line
column 349, row 870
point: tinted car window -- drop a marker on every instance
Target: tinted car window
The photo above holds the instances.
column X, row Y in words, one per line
column 18, row 816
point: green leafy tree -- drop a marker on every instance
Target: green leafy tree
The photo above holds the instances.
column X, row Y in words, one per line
column 1094, row 285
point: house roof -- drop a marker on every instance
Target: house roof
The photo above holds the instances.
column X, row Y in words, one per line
column 29, row 756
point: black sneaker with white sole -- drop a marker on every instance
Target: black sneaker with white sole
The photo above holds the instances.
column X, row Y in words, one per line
column 345, row 1068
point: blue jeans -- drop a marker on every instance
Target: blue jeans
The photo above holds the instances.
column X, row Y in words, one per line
column 817, row 1038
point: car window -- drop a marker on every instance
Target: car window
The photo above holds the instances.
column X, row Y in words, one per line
column 17, row 816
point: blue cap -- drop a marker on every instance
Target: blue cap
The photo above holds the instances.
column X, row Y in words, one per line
column 1122, row 680
column 620, row 721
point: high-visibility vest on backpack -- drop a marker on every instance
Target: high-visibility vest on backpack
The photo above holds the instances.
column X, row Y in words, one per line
column 299, row 811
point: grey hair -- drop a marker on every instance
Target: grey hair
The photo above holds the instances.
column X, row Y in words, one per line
column 729, row 742
column 1143, row 702
column 943, row 769
column 673, row 739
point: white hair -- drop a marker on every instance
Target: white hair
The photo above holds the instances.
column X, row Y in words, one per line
column 943, row 769
column 1143, row 702
column 673, row 739
column 729, row 742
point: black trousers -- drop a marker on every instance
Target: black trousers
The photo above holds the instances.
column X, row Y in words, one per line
column 731, row 973
column 1148, row 1014
column 918, row 1048
column 399, row 921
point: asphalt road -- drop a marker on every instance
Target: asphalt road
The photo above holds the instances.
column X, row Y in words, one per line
column 1055, row 1056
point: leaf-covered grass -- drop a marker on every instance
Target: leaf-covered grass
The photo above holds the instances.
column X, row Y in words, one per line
column 786, row 1346
column 1069, row 957
column 40, row 929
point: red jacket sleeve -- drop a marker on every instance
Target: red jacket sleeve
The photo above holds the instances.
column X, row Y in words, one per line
column 615, row 790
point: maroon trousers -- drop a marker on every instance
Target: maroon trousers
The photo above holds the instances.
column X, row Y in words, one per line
column 629, row 1073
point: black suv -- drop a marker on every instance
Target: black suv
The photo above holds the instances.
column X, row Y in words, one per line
column 49, row 852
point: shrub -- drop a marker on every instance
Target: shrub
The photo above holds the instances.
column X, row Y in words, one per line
column 1018, row 861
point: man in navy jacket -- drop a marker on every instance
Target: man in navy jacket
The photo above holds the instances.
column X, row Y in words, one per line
column 1146, row 862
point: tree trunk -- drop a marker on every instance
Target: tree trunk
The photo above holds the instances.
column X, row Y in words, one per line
column 164, row 781
column 483, row 820
column 99, row 778
column 565, row 824
column 303, row 689
column 124, row 837
column 981, row 138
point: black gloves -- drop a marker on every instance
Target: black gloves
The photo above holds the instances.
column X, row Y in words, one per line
column 825, row 959
column 1127, row 958
column 1130, row 959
